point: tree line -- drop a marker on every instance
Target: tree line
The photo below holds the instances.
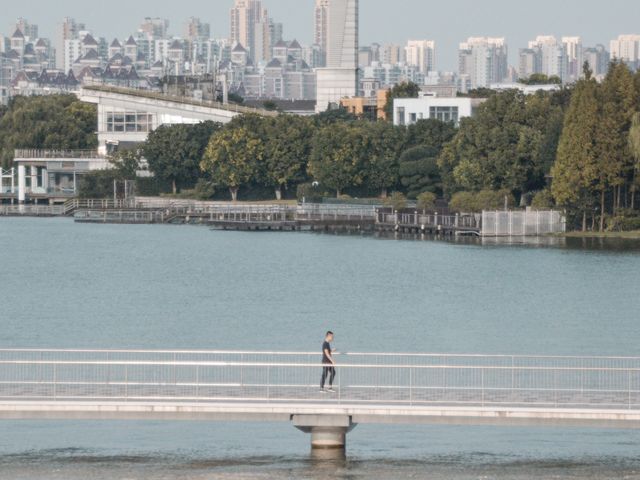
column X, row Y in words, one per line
column 577, row 149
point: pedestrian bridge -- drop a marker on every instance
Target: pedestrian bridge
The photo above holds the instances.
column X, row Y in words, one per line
column 280, row 386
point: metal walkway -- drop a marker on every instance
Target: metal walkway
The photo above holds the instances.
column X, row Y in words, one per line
column 280, row 386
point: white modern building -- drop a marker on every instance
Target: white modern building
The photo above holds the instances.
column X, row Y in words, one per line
column 340, row 76
column 482, row 61
column 407, row 111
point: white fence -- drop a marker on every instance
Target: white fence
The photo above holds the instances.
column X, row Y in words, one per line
column 529, row 223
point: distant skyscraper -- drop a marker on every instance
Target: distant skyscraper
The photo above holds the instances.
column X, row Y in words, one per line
column 598, row 59
column 196, row 30
column 342, row 34
column 482, row 61
column 28, row 30
column 422, row 54
column 392, row 54
column 68, row 30
column 340, row 77
column 627, row 49
column 553, row 61
column 249, row 26
column 321, row 28
column 575, row 57
column 154, row 28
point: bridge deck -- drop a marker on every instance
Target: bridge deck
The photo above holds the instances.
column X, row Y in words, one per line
column 370, row 388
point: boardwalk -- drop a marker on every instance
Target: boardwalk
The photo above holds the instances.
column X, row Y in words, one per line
column 370, row 388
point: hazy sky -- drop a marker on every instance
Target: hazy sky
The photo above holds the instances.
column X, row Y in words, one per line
column 380, row 20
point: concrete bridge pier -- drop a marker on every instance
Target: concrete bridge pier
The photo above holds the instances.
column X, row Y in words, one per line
column 328, row 432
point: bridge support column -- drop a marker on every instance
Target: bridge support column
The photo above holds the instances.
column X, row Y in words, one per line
column 328, row 432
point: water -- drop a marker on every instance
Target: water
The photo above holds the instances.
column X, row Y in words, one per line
column 109, row 286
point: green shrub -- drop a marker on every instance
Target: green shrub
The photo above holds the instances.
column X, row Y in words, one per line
column 463, row 202
column 543, row 200
column 426, row 201
column 397, row 201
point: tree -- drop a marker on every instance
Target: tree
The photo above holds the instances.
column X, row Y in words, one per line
column 616, row 99
column 335, row 115
column 463, row 202
column 426, row 201
column 541, row 79
column 337, row 157
column 58, row 122
column 232, row 157
column 419, row 171
column 509, row 144
column 174, row 152
column 287, row 150
column 126, row 164
column 401, row 90
column 432, row 133
column 397, row 201
column 575, row 170
column 634, row 147
column 542, row 200
column 383, row 144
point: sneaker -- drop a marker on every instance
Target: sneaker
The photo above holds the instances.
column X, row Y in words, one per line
column 331, row 390
column 322, row 390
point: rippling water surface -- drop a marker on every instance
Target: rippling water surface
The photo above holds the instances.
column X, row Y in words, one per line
column 106, row 286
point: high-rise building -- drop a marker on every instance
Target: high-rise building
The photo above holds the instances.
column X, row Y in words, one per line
column 321, row 28
column 196, row 30
column 545, row 55
column 422, row 54
column 392, row 54
column 249, row 24
column 627, row 49
column 29, row 31
column 340, row 76
column 598, row 59
column 482, row 61
column 574, row 53
column 69, row 29
column 154, row 28
column 342, row 34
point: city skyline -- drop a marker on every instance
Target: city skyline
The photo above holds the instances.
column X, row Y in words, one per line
column 571, row 18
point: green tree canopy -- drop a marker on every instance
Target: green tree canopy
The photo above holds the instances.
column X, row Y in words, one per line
column 59, row 122
column 287, row 151
column 575, row 171
column 419, row 171
column 509, row 144
column 233, row 157
column 401, row 90
column 541, row 79
column 383, row 144
column 338, row 156
column 174, row 152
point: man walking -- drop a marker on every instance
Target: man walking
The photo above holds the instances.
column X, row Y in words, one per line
column 328, row 364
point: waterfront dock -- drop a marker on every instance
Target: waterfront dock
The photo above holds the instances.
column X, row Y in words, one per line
column 301, row 217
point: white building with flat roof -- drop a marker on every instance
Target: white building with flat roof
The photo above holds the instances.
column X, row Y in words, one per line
column 407, row 111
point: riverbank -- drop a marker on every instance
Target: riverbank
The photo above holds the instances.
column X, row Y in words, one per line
column 634, row 235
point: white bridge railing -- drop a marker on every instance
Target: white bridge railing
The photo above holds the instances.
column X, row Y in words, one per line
column 279, row 377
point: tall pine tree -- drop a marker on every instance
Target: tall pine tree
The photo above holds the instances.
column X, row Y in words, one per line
column 575, row 170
